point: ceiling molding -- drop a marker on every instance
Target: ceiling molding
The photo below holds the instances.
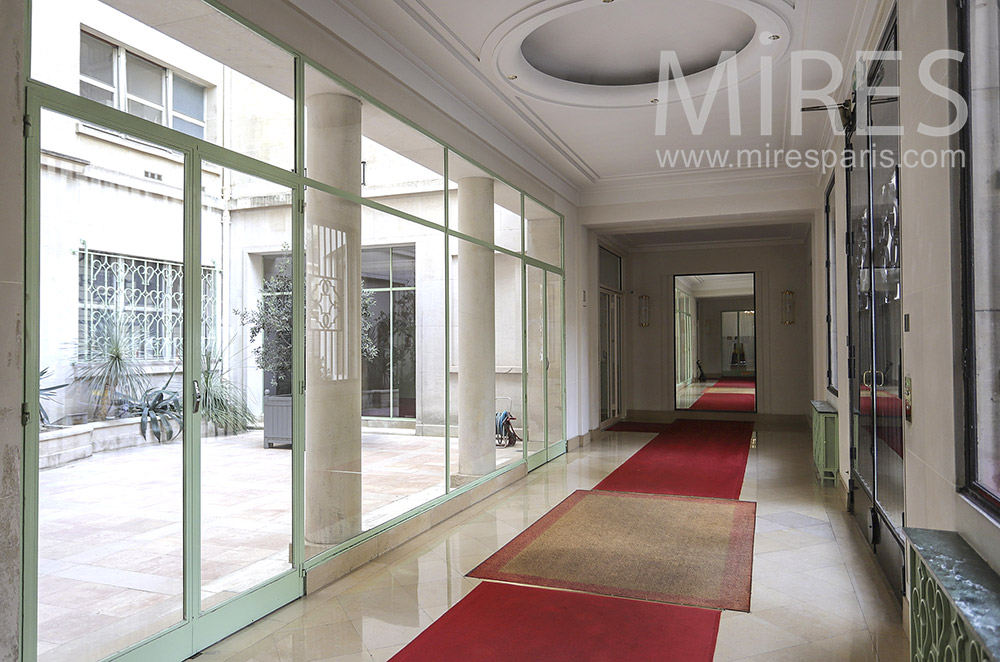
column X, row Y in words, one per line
column 471, row 60
column 347, row 24
column 712, row 245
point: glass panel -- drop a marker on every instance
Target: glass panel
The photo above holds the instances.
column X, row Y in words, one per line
column 505, row 230
column 97, row 59
column 190, row 128
column 246, row 383
column 375, row 267
column 509, row 402
column 554, row 381
column 474, row 396
column 144, row 79
column 604, row 320
column 888, row 372
column 984, row 63
column 374, row 415
column 188, row 98
column 543, row 233
column 145, row 112
column 535, row 328
column 111, row 304
column 610, row 270
column 860, row 318
column 506, row 216
column 376, row 366
column 249, row 82
column 95, row 93
column 403, row 266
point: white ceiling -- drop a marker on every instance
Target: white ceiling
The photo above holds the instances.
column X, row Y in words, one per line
column 540, row 71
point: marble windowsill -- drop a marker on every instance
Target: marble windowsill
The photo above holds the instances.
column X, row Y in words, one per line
column 970, row 582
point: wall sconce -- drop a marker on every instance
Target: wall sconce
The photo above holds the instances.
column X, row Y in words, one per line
column 643, row 310
column 788, row 307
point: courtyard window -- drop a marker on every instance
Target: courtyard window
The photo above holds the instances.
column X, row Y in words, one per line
column 389, row 319
column 981, row 236
column 142, row 297
column 119, row 78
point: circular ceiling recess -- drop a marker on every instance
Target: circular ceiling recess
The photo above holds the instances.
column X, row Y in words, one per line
column 606, row 53
column 619, row 43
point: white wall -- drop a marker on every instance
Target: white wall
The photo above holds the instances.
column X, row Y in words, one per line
column 930, row 224
column 783, row 351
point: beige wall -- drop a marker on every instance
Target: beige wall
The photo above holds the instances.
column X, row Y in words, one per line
column 783, row 351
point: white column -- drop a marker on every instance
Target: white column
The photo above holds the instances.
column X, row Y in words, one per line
column 333, row 322
column 476, row 330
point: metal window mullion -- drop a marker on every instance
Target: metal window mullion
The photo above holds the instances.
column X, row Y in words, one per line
column 447, row 330
column 32, row 313
column 545, row 362
column 191, row 289
column 392, row 320
column 298, row 378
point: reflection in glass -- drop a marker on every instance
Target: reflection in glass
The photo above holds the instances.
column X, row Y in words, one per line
column 715, row 362
column 111, row 304
column 535, row 327
column 245, row 381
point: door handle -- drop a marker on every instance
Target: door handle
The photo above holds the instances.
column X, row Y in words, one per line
column 879, row 378
column 866, row 378
column 197, row 396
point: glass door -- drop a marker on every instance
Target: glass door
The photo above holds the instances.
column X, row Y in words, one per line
column 164, row 471
column 554, row 366
column 875, row 316
column 112, row 393
column 610, row 355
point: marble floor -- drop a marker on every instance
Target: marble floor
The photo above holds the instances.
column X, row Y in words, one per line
column 688, row 394
column 817, row 594
column 110, row 529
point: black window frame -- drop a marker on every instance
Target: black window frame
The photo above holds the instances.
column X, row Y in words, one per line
column 830, row 240
column 969, row 486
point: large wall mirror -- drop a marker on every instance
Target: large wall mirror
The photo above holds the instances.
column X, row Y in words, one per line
column 715, row 342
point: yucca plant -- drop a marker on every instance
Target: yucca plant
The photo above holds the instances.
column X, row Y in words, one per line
column 46, row 394
column 113, row 375
column 158, row 408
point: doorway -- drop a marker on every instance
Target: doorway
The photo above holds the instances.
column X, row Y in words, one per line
column 875, row 322
column 610, row 355
column 715, row 342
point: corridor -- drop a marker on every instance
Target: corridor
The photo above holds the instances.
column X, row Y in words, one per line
column 816, row 594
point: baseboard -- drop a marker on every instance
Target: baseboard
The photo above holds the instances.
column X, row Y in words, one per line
column 579, row 441
column 368, row 550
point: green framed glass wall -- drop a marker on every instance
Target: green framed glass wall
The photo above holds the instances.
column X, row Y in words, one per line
column 223, row 186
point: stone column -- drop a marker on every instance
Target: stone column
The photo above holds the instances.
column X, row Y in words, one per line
column 333, row 322
column 476, row 330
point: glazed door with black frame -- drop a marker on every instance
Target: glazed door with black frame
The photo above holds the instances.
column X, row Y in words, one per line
column 876, row 321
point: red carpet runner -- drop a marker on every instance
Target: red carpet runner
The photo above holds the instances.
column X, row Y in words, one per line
column 504, row 622
column 690, row 458
column 711, row 400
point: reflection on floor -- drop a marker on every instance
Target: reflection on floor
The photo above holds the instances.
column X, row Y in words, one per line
column 817, row 594
column 725, row 394
column 110, row 540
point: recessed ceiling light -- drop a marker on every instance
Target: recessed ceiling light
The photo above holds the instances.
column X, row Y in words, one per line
column 512, row 77
column 774, row 37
